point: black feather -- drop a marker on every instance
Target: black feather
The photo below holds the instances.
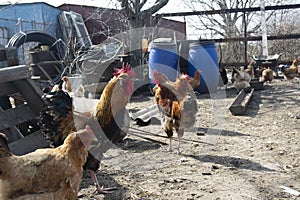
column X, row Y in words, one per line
column 223, row 74
column 57, row 105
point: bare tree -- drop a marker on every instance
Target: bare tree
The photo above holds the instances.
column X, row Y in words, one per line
column 280, row 24
column 230, row 25
column 137, row 14
column 225, row 24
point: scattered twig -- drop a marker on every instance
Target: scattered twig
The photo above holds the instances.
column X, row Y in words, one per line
column 134, row 196
column 146, row 138
column 290, row 190
column 134, row 130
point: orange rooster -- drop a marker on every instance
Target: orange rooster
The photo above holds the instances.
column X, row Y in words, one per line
column 267, row 75
column 108, row 118
column 50, row 173
column 250, row 69
column 177, row 105
column 112, row 116
column 163, row 79
column 291, row 72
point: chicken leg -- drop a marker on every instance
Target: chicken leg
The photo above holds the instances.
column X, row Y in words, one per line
column 180, row 134
column 100, row 189
column 170, row 149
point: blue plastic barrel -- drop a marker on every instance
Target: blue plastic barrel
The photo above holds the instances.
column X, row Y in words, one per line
column 163, row 58
column 203, row 55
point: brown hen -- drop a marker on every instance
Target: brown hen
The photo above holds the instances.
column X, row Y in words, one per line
column 291, row 72
column 50, row 173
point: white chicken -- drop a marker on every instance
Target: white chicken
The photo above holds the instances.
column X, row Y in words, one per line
column 241, row 79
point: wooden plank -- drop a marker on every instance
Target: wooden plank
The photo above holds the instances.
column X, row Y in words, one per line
column 257, row 38
column 230, row 10
column 14, row 73
column 15, row 116
column 29, row 143
column 45, row 72
column 7, row 89
column 31, row 93
column 257, row 85
column 240, row 103
column 13, row 131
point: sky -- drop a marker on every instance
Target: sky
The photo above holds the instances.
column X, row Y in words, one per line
column 172, row 5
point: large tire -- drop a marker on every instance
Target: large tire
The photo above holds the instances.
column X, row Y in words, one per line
column 56, row 45
column 36, row 36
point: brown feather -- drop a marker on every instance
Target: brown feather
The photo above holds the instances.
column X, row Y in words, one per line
column 291, row 72
column 195, row 81
column 267, row 75
column 112, row 100
column 172, row 98
column 50, row 170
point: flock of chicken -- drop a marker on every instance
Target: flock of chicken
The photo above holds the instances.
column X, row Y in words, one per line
column 79, row 140
column 241, row 78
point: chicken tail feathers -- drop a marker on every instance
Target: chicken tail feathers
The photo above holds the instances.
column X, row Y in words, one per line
column 56, row 116
column 188, row 111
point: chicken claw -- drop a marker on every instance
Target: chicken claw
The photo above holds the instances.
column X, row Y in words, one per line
column 99, row 189
column 103, row 190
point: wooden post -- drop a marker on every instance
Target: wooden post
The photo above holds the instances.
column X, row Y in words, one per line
column 245, row 36
column 264, row 28
column 31, row 93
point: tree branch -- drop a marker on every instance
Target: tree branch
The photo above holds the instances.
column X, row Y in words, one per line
column 156, row 7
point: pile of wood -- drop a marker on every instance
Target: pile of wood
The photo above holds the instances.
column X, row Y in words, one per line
column 16, row 83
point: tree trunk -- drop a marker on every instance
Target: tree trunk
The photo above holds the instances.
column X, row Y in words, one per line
column 138, row 17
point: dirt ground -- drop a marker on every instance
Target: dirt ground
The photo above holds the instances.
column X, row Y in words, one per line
column 223, row 156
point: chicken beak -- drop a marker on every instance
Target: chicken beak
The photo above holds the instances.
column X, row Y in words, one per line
column 94, row 139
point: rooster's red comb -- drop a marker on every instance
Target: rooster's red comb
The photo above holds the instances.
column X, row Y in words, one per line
column 125, row 69
column 156, row 81
column 184, row 76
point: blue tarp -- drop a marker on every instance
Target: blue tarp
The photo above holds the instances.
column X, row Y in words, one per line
column 28, row 16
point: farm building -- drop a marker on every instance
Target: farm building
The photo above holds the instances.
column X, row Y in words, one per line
column 27, row 16
column 103, row 22
column 100, row 22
